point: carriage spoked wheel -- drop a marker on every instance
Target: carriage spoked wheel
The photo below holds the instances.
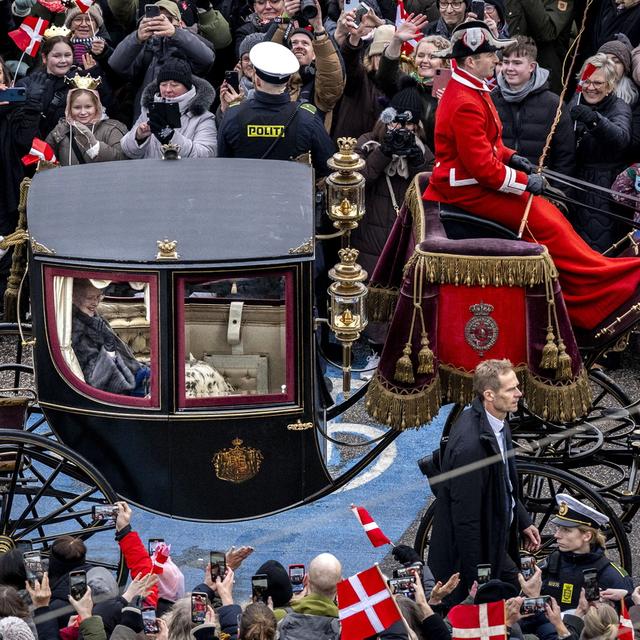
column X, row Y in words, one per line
column 47, row 490
column 539, row 484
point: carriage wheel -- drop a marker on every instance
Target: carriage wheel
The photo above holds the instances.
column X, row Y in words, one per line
column 47, row 490
column 539, row 485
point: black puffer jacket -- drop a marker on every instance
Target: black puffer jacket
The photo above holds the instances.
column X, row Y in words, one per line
column 526, row 124
column 600, row 156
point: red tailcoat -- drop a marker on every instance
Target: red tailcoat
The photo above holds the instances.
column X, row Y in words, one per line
column 470, row 172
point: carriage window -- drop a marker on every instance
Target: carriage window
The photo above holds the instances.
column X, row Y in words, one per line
column 235, row 341
column 103, row 329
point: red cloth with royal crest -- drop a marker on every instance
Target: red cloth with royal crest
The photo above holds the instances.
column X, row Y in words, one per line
column 470, row 173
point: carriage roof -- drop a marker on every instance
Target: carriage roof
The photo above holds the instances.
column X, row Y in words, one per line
column 216, row 209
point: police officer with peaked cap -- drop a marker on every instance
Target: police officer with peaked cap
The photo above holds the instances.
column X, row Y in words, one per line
column 580, row 548
column 269, row 125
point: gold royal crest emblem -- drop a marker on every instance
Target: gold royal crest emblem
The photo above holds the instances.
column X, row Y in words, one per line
column 237, row 464
column 563, row 509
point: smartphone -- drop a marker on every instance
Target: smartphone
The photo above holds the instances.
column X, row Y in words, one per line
column 104, row 512
column 440, row 80
column 360, row 12
column 153, row 543
column 149, row 621
column 217, row 564
column 233, row 80
column 484, row 573
column 591, row 587
column 534, row 605
column 33, row 566
column 296, row 577
column 198, row 607
column 169, row 111
column 77, row 584
column 259, row 586
column 13, row 94
column 403, row 586
column 477, row 7
column 527, row 564
column 151, row 11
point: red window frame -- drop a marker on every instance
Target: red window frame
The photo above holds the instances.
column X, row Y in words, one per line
column 290, row 364
column 98, row 394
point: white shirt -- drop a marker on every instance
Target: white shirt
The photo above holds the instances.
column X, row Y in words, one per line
column 497, row 426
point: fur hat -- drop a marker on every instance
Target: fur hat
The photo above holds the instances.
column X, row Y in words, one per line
column 382, row 36
column 177, row 69
column 102, row 583
column 279, row 585
column 621, row 48
column 94, row 11
column 493, row 591
column 12, row 628
column 249, row 41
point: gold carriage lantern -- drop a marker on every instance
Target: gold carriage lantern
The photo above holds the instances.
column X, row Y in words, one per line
column 348, row 306
column 345, row 186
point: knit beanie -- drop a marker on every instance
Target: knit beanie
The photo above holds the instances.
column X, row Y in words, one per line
column 382, row 36
column 278, row 583
column 177, row 69
column 409, row 100
column 493, row 591
column 94, row 11
column 621, row 48
column 12, row 628
column 249, row 41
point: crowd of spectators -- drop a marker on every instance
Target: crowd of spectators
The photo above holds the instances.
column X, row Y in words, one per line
column 65, row 597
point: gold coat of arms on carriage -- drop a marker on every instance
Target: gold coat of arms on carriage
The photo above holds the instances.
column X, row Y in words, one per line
column 481, row 331
column 237, row 464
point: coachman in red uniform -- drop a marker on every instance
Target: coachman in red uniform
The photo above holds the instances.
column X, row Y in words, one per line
column 476, row 172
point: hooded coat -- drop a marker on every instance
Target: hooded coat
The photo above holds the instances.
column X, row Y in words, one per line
column 600, row 156
column 197, row 137
column 527, row 118
column 471, row 523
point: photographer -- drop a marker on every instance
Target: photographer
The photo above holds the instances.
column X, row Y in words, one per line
column 394, row 153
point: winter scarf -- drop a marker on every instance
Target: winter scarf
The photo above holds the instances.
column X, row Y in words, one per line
column 537, row 79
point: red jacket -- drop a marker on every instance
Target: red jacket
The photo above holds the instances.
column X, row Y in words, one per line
column 138, row 561
column 468, row 141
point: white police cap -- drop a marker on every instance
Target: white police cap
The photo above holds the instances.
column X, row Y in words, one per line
column 572, row 513
column 273, row 62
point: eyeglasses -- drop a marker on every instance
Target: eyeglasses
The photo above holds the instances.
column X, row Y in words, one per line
column 81, row 20
column 596, row 84
column 456, row 5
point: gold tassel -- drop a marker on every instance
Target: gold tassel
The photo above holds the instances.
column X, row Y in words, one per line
column 563, row 371
column 404, row 367
column 425, row 355
column 550, row 351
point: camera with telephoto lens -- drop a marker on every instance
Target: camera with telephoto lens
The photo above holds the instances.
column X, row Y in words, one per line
column 308, row 9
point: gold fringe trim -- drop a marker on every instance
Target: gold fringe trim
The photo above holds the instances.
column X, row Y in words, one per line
column 402, row 409
column 381, row 302
column 414, row 203
column 498, row 271
column 560, row 402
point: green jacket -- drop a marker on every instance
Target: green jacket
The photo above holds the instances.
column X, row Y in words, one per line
column 312, row 604
column 93, row 629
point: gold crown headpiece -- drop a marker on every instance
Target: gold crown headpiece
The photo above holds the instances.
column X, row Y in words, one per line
column 54, row 31
column 83, row 82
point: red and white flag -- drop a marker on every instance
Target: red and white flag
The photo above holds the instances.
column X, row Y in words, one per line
column 28, row 35
column 160, row 555
column 84, row 5
column 401, row 16
column 478, row 621
column 366, row 606
column 40, row 150
column 586, row 74
column 373, row 531
column 625, row 630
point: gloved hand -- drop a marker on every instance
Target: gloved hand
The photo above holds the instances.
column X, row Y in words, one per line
column 99, row 325
column 520, row 163
column 86, row 132
column 405, row 554
column 159, row 127
column 536, row 184
column 386, row 146
column 583, row 113
column 415, row 155
column 35, row 89
column 22, row 8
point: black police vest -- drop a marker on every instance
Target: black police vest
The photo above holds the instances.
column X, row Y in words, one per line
column 566, row 588
column 259, row 130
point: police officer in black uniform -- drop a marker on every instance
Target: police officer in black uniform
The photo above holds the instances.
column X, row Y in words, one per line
column 580, row 548
column 269, row 125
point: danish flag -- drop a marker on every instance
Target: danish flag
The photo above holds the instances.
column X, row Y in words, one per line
column 401, row 16
column 84, row 5
column 586, row 74
column 28, row 35
column 373, row 531
column 625, row 630
column 478, row 621
column 160, row 556
column 40, row 150
column 366, row 606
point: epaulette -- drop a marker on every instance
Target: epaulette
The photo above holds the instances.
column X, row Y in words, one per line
column 309, row 107
column 620, row 570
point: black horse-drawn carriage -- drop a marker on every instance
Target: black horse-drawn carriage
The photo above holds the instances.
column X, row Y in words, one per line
column 212, row 289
